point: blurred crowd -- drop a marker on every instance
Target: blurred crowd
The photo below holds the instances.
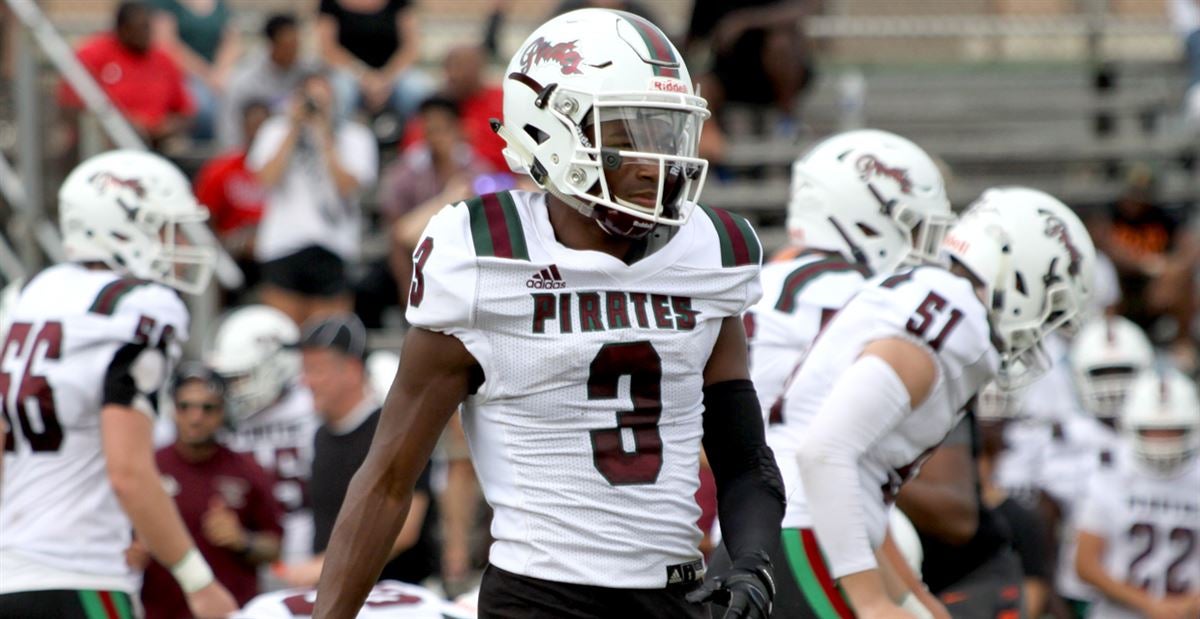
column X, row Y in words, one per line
column 317, row 153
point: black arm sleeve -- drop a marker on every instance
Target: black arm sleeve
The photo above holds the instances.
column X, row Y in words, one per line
column 750, row 499
column 119, row 385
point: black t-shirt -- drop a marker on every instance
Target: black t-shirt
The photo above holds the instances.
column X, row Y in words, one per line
column 945, row 564
column 1029, row 539
column 336, row 457
column 371, row 37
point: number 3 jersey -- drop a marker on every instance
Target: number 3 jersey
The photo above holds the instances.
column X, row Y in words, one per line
column 79, row 339
column 931, row 307
column 1150, row 524
column 586, row 430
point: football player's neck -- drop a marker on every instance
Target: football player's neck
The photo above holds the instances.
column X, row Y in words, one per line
column 577, row 231
column 196, row 451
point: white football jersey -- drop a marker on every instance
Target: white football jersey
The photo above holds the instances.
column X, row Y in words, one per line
column 586, row 430
column 73, row 329
column 280, row 437
column 389, row 599
column 1151, row 527
column 799, row 297
column 1079, row 448
column 929, row 306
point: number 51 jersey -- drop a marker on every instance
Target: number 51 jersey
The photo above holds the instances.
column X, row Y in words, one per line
column 586, row 430
column 79, row 339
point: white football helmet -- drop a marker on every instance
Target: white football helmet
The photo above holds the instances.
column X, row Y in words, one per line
column 1163, row 400
column 873, row 196
column 126, row 209
column 593, row 90
column 1035, row 261
column 255, row 350
column 1106, row 355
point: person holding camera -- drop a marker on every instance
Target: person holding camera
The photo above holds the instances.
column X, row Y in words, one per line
column 315, row 168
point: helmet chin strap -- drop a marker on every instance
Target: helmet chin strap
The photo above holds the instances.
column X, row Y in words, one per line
column 859, row 255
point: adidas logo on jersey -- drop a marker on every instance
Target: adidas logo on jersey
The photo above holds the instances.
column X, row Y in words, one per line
column 547, row 279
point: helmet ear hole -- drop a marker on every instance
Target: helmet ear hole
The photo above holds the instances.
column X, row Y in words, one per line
column 538, row 135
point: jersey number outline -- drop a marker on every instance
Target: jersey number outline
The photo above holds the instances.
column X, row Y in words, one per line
column 927, row 312
column 47, row 434
column 641, row 363
column 1177, row 534
column 416, row 291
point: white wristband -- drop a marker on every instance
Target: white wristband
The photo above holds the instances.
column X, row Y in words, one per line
column 192, row 572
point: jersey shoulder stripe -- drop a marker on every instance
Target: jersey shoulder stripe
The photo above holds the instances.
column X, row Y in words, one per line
column 797, row 280
column 111, row 294
column 496, row 227
column 739, row 245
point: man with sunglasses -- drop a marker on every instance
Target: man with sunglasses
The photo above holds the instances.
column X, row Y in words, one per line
column 224, row 497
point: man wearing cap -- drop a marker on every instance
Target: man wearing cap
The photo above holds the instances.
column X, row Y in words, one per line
column 333, row 350
column 224, row 497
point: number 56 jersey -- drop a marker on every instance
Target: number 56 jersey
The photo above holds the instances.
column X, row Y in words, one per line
column 586, row 430
column 79, row 339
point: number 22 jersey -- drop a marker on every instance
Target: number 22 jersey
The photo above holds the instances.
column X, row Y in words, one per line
column 79, row 339
column 586, row 430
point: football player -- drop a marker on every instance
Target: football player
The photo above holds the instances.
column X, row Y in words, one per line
column 273, row 417
column 90, row 344
column 890, row 375
column 862, row 203
column 1139, row 525
column 595, row 334
column 1104, row 357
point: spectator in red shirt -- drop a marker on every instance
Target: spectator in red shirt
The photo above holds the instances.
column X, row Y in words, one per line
column 478, row 102
column 142, row 80
column 234, row 196
column 224, row 498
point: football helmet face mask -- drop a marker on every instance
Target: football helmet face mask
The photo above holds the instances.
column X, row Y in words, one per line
column 599, row 110
column 1161, row 419
column 255, row 352
column 873, row 196
column 1035, row 261
column 996, row 403
column 1106, row 355
column 128, row 210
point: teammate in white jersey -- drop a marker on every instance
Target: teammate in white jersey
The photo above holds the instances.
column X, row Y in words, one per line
column 389, row 599
column 89, row 345
column 595, row 334
column 1139, row 527
column 862, row 203
column 273, row 414
column 890, row 375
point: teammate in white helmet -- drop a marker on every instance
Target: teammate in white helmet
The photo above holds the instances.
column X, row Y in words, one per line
column 1139, row 526
column 862, row 203
column 891, row 373
column 272, row 413
column 90, row 343
column 594, row 332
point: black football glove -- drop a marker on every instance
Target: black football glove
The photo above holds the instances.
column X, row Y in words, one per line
column 747, row 589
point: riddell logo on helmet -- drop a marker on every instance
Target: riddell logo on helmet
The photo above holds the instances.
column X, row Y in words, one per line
column 956, row 244
column 870, row 165
column 106, row 180
column 547, row 279
column 666, row 84
column 541, row 51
